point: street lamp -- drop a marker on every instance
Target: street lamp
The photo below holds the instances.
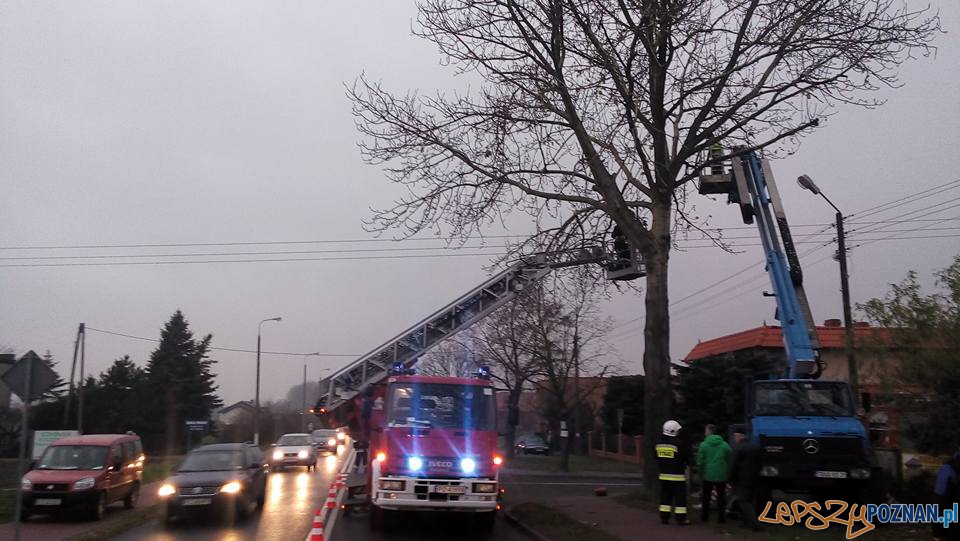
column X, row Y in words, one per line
column 303, row 407
column 256, row 416
column 853, row 371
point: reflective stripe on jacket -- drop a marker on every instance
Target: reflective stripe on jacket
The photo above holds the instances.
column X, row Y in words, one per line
column 672, row 459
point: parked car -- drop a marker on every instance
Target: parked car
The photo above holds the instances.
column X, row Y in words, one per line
column 327, row 439
column 85, row 473
column 225, row 478
column 294, row 450
column 532, row 445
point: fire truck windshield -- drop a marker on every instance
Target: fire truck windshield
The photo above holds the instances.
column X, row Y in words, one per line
column 440, row 405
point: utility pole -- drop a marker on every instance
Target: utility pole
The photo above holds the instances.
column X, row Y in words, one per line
column 853, row 369
column 73, row 375
column 83, row 351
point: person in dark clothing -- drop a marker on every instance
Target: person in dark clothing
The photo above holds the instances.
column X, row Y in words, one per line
column 673, row 459
column 744, row 475
column 946, row 490
column 713, row 461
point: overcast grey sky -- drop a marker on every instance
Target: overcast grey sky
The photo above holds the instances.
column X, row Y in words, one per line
column 209, row 122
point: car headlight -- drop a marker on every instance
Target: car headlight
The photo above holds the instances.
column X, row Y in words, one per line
column 331, row 442
column 769, row 471
column 859, row 473
column 26, row 484
column 388, row 484
column 485, row 488
column 414, row 463
column 341, row 436
column 166, row 490
column 468, row 465
column 230, row 488
column 302, row 454
column 84, row 484
column 278, row 455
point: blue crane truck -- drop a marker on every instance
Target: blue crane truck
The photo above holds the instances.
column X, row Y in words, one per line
column 807, row 429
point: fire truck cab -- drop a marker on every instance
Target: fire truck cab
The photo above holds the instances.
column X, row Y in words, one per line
column 434, row 446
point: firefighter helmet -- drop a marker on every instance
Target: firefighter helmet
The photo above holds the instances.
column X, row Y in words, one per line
column 671, row 428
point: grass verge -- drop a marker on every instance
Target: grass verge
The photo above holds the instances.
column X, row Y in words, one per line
column 129, row 520
column 578, row 463
column 556, row 526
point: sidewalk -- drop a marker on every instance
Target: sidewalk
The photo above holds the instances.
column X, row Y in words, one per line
column 630, row 523
column 49, row 528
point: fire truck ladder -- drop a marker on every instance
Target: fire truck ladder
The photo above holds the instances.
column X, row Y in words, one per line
column 470, row 308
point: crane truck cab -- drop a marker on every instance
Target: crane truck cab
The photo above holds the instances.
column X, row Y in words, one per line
column 434, row 447
column 810, row 438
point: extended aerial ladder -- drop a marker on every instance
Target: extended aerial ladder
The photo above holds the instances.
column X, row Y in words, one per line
column 481, row 301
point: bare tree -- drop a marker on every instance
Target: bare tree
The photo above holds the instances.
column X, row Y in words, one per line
column 453, row 357
column 503, row 340
column 592, row 112
column 568, row 344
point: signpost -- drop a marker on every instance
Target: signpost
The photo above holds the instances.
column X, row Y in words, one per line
column 43, row 438
column 29, row 378
column 195, row 426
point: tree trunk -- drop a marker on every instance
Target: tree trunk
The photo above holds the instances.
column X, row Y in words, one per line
column 565, row 443
column 658, row 393
column 513, row 419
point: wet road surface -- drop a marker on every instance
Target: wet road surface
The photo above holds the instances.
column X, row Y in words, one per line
column 293, row 497
column 417, row 526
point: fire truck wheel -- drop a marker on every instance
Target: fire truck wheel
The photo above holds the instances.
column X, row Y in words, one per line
column 484, row 522
column 379, row 519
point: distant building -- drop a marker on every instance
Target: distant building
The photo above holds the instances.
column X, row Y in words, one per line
column 236, row 413
column 6, row 361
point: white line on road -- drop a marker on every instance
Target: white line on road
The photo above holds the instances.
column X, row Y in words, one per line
column 329, row 516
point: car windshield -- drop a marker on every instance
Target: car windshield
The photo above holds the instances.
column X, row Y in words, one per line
column 290, row 440
column 322, row 434
column 441, row 405
column 795, row 398
column 212, row 461
column 73, row 457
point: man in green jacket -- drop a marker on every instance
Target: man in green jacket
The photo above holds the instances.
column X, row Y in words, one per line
column 713, row 457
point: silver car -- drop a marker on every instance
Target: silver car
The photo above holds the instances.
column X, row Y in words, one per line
column 294, row 450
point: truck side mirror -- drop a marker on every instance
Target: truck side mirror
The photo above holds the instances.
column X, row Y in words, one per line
column 865, row 401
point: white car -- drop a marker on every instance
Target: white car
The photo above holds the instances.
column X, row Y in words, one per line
column 327, row 439
column 294, row 450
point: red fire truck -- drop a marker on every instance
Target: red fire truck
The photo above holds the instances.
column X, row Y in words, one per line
column 433, row 443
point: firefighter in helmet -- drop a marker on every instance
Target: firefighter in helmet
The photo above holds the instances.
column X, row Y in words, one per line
column 672, row 459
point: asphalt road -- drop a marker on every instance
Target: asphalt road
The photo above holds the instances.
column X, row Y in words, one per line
column 293, row 496
column 436, row 526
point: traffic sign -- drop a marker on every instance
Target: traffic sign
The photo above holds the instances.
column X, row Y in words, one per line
column 42, row 377
column 43, row 438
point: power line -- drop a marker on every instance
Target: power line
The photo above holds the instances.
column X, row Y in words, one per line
column 235, row 350
column 913, row 212
column 234, row 254
column 278, row 260
column 883, row 207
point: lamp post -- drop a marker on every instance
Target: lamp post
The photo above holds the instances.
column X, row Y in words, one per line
column 303, row 406
column 256, row 405
column 853, row 372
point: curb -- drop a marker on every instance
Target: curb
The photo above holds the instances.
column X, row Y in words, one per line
column 522, row 526
column 573, row 475
column 106, row 530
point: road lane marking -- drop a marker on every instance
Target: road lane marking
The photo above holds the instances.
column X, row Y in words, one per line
column 329, row 516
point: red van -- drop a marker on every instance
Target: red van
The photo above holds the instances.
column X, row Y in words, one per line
column 85, row 473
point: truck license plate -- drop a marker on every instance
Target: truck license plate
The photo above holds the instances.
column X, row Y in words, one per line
column 830, row 474
column 47, row 501
column 197, row 501
column 451, row 490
